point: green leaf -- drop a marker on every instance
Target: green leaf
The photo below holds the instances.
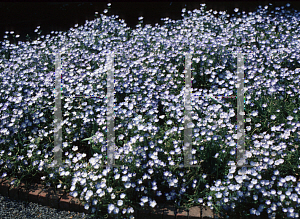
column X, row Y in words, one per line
column 38, row 140
column 259, row 107
column 95, row 150
column 90, row 138
column 201, row 115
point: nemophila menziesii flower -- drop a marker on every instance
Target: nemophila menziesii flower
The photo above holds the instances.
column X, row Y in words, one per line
column 151, row 135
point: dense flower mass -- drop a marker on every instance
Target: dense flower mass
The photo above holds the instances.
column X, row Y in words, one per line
column 149, row 66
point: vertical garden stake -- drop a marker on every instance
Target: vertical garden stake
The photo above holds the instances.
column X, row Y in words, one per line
column 110, row 112
column 57, row 113
column 240, row 111
column 187, row 117
column 188, row 124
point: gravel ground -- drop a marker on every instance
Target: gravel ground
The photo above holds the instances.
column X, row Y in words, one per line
column 11, row 209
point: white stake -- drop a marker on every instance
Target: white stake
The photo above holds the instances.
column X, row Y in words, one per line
column 240, row 111
column 187, row 117
column 110, row 112
column 57, row 114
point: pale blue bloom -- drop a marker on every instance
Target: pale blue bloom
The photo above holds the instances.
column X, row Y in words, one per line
column 153, row 203
column 120, row 203
column 110, row 208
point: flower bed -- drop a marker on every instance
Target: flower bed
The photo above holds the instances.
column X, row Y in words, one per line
column 149, row 107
